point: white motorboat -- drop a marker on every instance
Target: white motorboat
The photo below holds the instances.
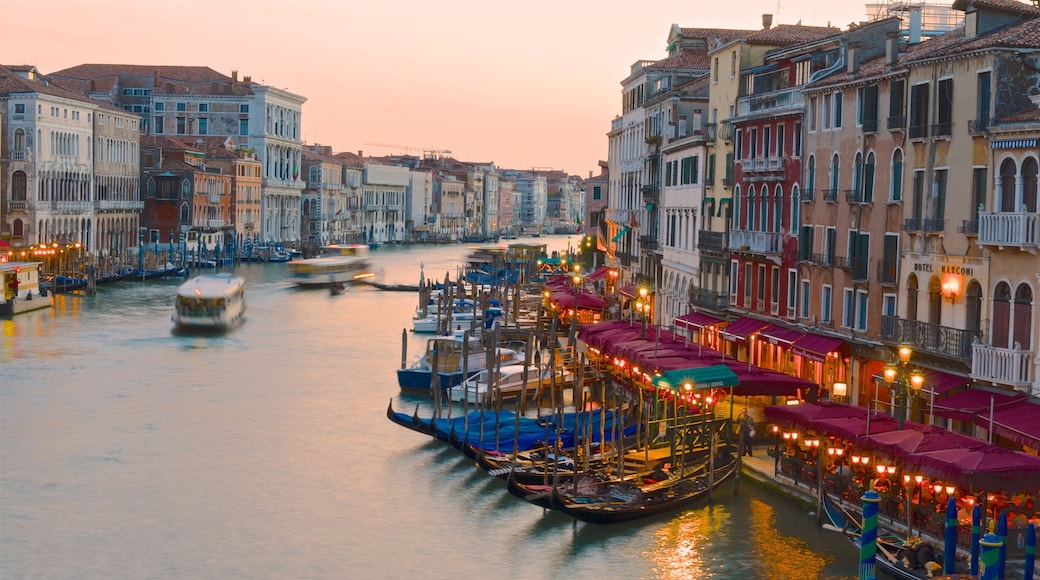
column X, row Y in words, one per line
column 508, row 383
column 213, row 301
column 338, row 264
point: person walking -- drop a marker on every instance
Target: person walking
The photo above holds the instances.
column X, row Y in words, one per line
column 746, row 432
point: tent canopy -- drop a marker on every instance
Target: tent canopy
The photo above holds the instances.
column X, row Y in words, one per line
column 710, row 377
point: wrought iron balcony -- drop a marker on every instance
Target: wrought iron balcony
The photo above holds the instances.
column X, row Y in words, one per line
column 725, row 131
column 869, row 125
column 757, row 242
column 926, row 337
column 933, row 224
column 648, row 243
column 709, row 299
column 830, row 195
column 709, row 132
column 969, row 227
column 942, row 129
column 896, row 123
column 708, row 241
column 912, row 224
column 808, row 195
column 1009, row 229
column 1004, row 366
column 978, row 126
column 918, row 131
column 857, row 265
column 853, row 196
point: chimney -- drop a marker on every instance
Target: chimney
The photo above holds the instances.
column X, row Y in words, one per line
column 234, row 76
column 247, row 79
column 155, row 78
column 892, row 48
column 767, row 21
column 852, row 58
column 915, row 25
column 93, row 85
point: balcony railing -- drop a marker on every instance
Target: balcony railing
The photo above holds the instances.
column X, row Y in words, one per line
column 969, row 227
column 216, row 224
column 727, row 182
column 709, row 299
column 857, row 265
column 942, row 129
column 912, row 224
column 830, row 195
column 978, row 126
column 927, row 337
column 770, row 102
column 19, row 205
column 896, row 123
column 762, row 164
column 72, row 206
column 648, row 242
column 933, row 224
column 808, row 195
column 1005, row 366
column 17, row 155
column 711, row 241
column 709, row 132
column 888, row 272
column 757, row 242
column 869, row 125
column 856, row 197
column 725, row 131
column 918, row 131
column 1012, row 229
column 106, row 204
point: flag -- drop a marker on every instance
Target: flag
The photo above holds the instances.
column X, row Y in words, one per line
column 295, row 171
column 601, row 234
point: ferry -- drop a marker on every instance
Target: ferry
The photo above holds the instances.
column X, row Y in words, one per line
column 337, row 265
column 210, row 301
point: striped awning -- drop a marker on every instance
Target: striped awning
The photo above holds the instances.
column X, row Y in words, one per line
column 1015, row 144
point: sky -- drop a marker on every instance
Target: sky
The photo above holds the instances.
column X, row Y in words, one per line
column 523, row 84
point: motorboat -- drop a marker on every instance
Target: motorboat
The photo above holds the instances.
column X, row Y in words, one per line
column 338, row 264
column 210, row 301
column 457, row 357
column 507, row 383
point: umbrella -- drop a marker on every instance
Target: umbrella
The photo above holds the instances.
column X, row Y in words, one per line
column 991, row 468
column 899, row 444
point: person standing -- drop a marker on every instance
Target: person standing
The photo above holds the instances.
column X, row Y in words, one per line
column 746, row 432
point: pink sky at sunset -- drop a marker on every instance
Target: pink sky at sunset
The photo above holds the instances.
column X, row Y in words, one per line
column 532, row 83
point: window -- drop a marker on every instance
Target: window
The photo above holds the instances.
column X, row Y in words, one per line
column 896, row 104
column 792, row 294
column 945, row 126
column 890, row 259
column 982, row 99
column 919, row 111
column 19, row 109
column 826, row 111
column 978, row 191
column 158, row 125
column 203, row 107
column 739, row 147
column 796, row 209
column 812, row 113
column 867, row 112
column 839, row 99
column 940, row 194
column 825, row 303
column 857, row 176
column 896, row 193
column 597, row 192
column 868, row 179
column 888, row 305
column 203, row 126
column 918, row 209
column 761, row 282
column 733, row 64
column 734, row 269
column 182, row 124
column 829, row 245
column 753, row 148
column 243, row 108
column 747, row 285
column 182, row 107
column 767, row 142
column 861, row 310
column 805, row 243
column 715, row 70
column 710, row 179
column 848, row 311
column 751, row 207
column 778, row 202
column 774, row 286
column 835, row 167
column 797, row 139
column 803, row 309
column 243, row 126
column 810, row 175
column 159, row 106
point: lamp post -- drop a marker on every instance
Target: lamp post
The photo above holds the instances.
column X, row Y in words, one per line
column 576, row 279
column 644, row 308
column 901, row 382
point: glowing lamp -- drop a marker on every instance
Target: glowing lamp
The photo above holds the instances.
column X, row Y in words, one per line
column 840, row 389
column 918, row 479
column 880, row 469
column 951, row 287
column 890, row 469
column 906, row 479
column 950, row 489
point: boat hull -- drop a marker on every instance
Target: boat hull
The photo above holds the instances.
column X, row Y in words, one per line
column 419, row 380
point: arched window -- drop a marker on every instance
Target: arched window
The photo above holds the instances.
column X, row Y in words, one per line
column 934, row 300
column 1029, row 187
column 835, row 166
column 1001, row 315
column 796, row 210
column 751, row 208
column 810, row 175
column 150, row 187
column 185, row 187
column 896, row 193
column 18, row 228
column 778, row 208
column 1007, row 186
column 19, row 140
column 185, row 217
column 763, row 212
column 911, row 297
column 18, row 186
column 857, row 176
column 1023, row 317
column 973, row 307
column 736, row 208
column 868, row 178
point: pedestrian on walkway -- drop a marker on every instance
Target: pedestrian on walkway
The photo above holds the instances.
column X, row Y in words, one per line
column 746, row 432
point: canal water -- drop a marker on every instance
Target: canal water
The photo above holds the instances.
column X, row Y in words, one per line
column 129, row 451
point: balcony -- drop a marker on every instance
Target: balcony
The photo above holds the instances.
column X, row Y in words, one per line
column 21, row 205
column 830, row 195
column 926, row 337
column 17, row 155
column 124, row 205
column 969, row 227
column 857, row 265
column 888, row 273
column 763, row 164
column 709, row 299
column 869, row 125
column 649, row 194
column 855, row 197
column 808, row 195
column 896, row 123
column 918, row 131
column 214, row 224
column 1004, row 366
column 912, row 224
column 727, row 182
column 772, row 102
column 942, row 129
column 709, row 132
column 1010, row 230
column 72, row 206
column 249, row 225
column 711, row 241
column 756, row 242
column 933, row 225
column 978, row 126
column 648, row 243
column 725, row 131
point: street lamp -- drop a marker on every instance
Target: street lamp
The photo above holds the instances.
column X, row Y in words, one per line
column 644, row 307
column 901, row 382
column 576, row 279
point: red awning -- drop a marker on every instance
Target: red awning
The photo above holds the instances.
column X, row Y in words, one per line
column 777, row 334
column 975, row 403
column 629, row 291
column 1018, row 423
column 697, row 320
column 816, row 347
column 938, row 382
column 741, row 328
column 598, row 274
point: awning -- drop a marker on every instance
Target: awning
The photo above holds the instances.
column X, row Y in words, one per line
column 777, row 334
column 620, row 233
column 816, row 347
column 697, row 320
column 711, row 377
column 598, row 274
column 741, row 328
column 1017, row 423
column 938, row 382
column 975, row 402
column 630, row 291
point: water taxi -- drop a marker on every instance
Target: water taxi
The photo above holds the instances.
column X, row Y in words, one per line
column 214, row 301
column 338, row 264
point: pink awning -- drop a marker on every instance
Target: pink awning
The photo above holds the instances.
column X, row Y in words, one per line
column 938, row 382
column 629, row 291
column 697, row 320
column 598, row 274
column 816, row 347
column 974, row 403
column 1018, row 423
column 741, row 328
column 777, row 334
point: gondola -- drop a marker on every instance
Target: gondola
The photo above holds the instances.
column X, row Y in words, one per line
column 892, row 556
column 626, row 501
column 409, row 421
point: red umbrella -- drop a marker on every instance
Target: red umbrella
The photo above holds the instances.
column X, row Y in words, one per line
column 899, row 444
column 805, row 415
column 991, row 468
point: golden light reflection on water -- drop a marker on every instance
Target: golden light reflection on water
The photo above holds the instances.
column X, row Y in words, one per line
column 700, row 544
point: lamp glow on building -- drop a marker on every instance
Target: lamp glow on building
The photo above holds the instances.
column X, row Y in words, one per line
column 951, row 287
column 901, row 382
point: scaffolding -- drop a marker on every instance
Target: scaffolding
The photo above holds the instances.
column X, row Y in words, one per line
column 919, row 19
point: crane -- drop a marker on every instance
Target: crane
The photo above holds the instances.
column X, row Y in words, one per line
column 428, row 152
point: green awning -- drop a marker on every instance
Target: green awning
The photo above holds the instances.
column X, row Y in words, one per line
column 620, row 233
column 713, row 377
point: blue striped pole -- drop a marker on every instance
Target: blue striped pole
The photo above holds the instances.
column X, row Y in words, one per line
column 1030, row 551
column 1002, row 534
column 976, row 535
column 950, row 544
column 868, row 537
column 990, row 553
